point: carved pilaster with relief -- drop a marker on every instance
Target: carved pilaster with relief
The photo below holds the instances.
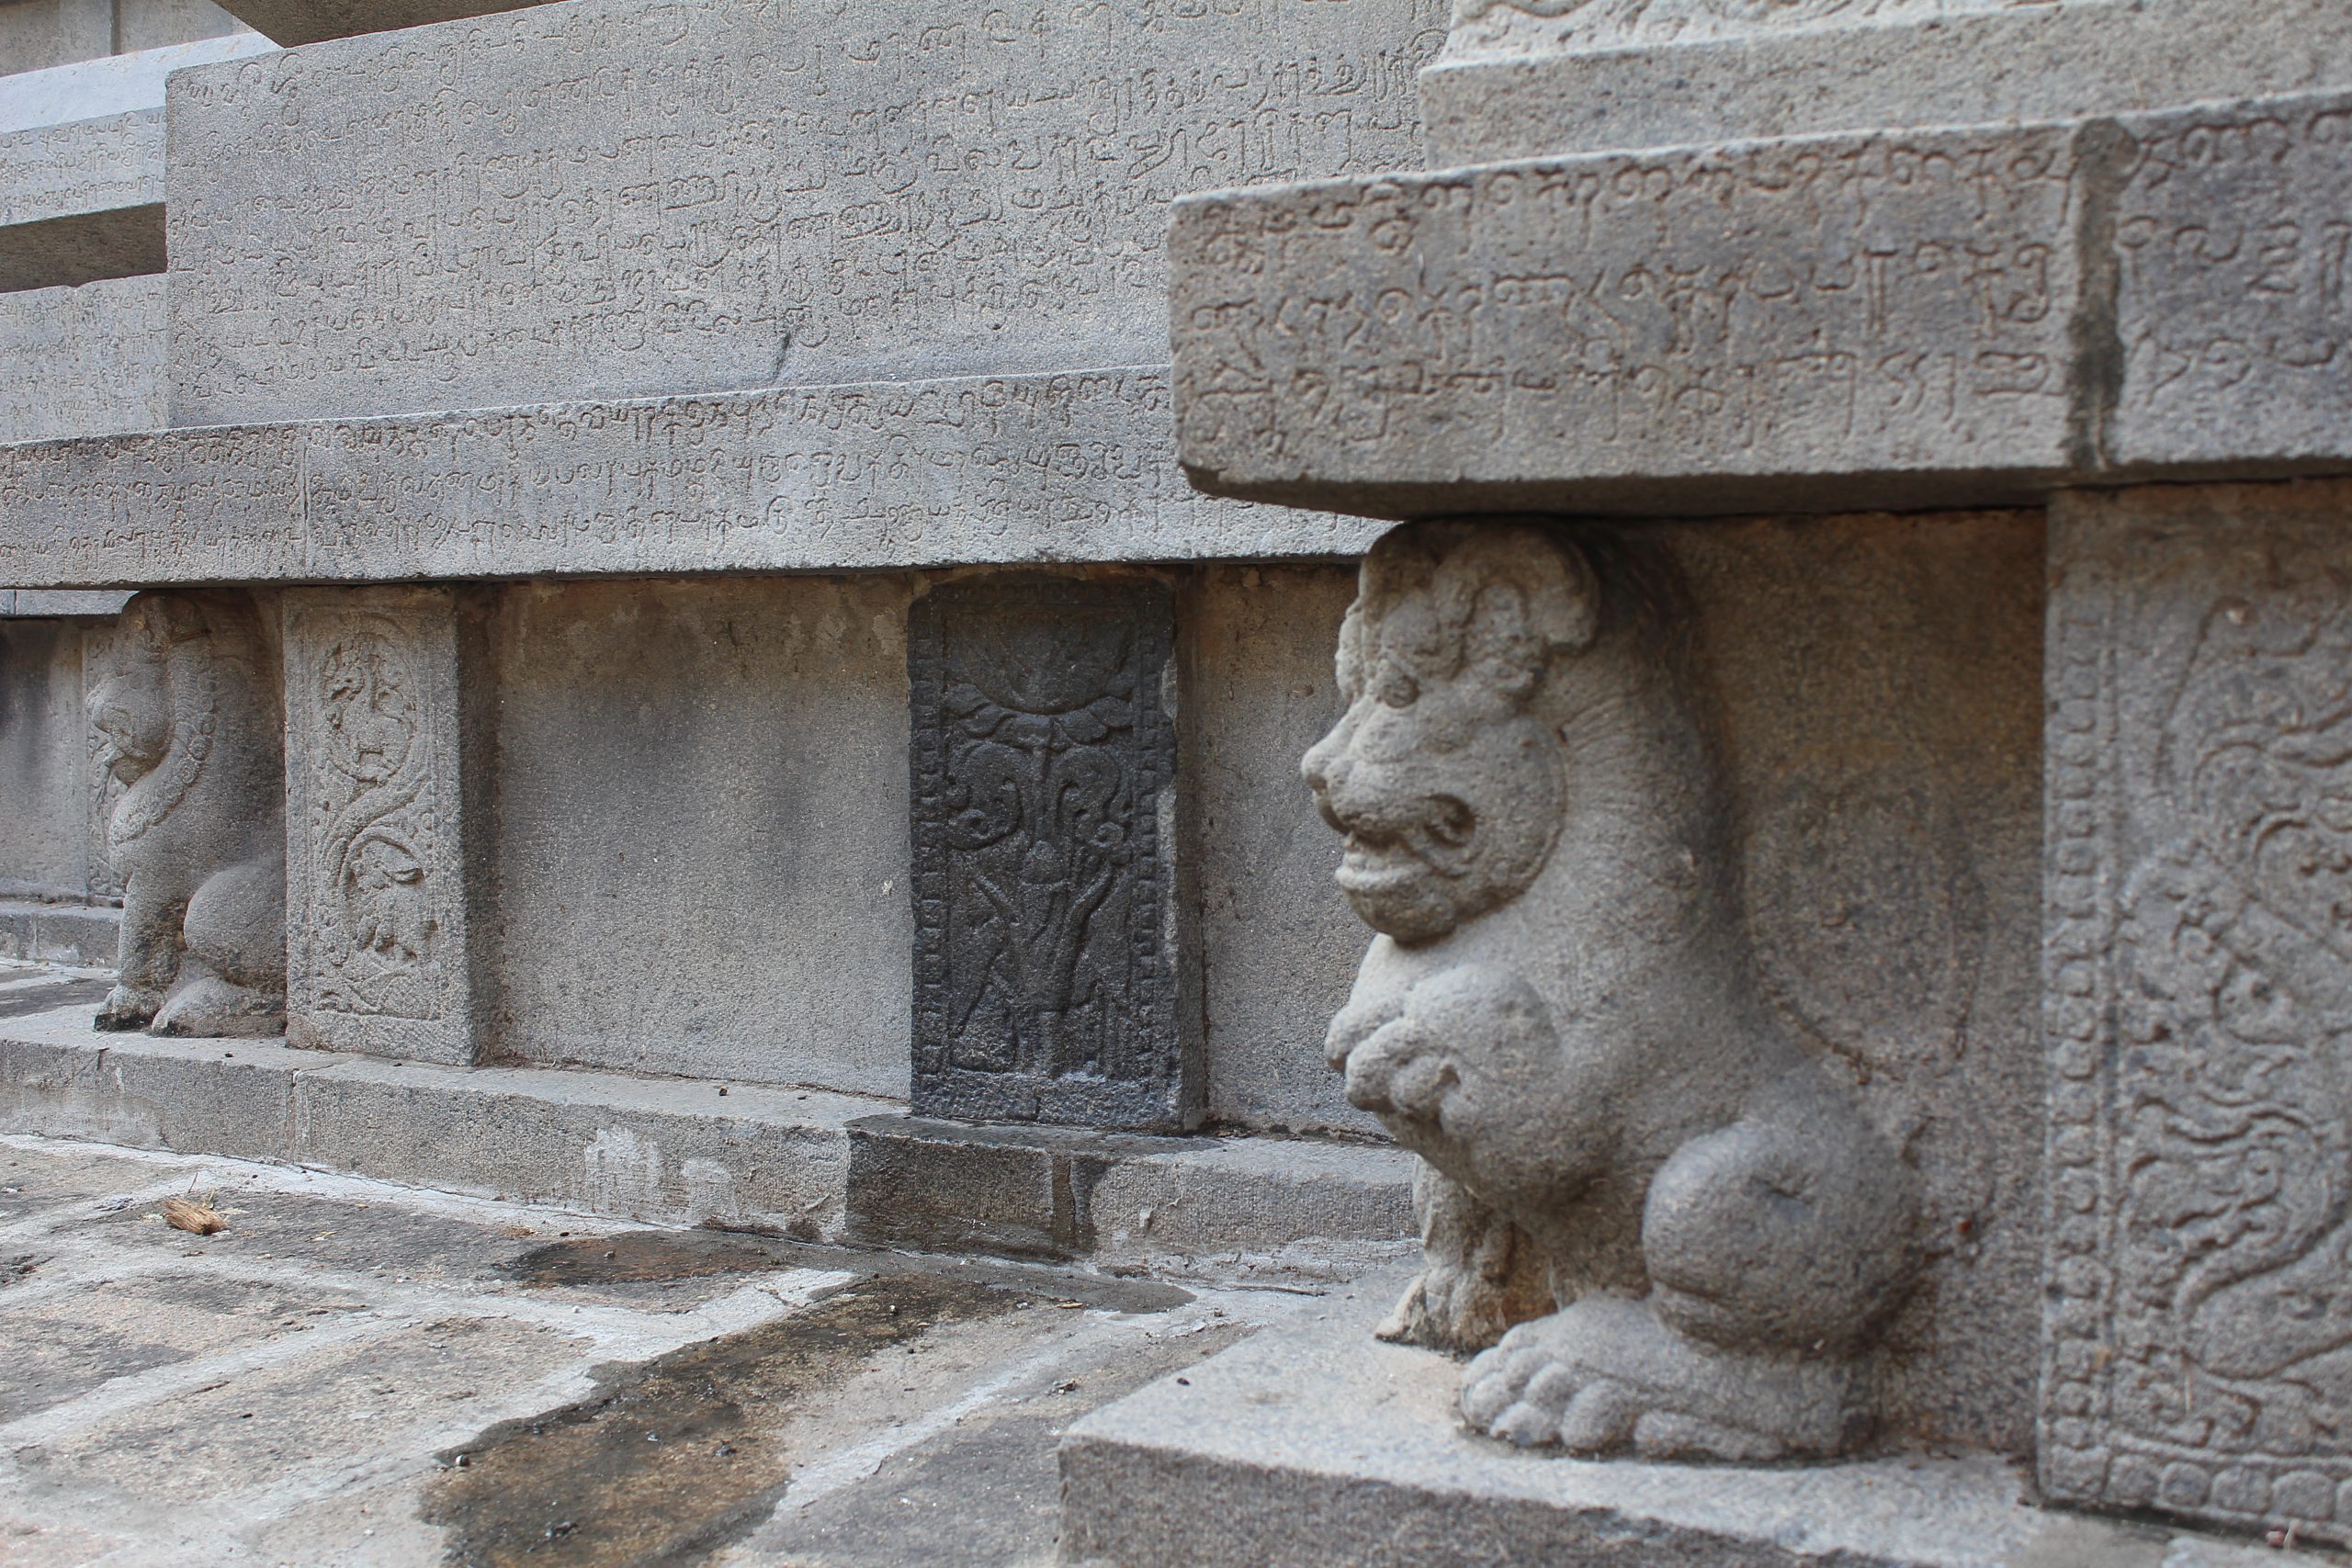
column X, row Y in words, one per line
column 386, row 790
column 2198, row 979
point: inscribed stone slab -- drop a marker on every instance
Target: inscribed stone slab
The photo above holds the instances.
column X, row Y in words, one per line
column 1867, row 307
column 1013, row 469
column 1612, row 75
column 86, row 361
column 1047, row 943
column 1924, row 319
column 292, row 22
column 619, row 197
column 385, row 819
column 2231, row 239
column 81, row 201
column 2196, row 944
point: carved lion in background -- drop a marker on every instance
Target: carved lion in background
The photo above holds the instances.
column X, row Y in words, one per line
column 1681, row 1230
column 189, row 724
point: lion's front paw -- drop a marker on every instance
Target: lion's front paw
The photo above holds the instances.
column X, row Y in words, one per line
column 1605, row 1376
column 126, row 1009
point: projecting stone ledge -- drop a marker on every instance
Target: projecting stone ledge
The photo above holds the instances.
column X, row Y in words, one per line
column 292, row 22
column 1316, row 1443
column 1934, row 318
column 1070, row 467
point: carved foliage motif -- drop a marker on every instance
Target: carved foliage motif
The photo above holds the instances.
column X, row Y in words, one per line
column 2199, row 1016
column 372, row 824
column 1041, row 751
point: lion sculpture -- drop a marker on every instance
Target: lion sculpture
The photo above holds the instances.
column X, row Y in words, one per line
column 1681, row 1229
column 188, row 725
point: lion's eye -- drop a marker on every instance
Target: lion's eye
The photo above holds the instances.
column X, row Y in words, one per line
column 1397, row 689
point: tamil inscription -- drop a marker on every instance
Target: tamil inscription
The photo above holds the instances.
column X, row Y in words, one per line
column 1074, row 467
column 1047, row 950
column 622, row 198
column 1856, row 305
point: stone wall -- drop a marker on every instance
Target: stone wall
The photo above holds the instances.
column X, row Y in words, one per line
column 51, row 843
column 37, row 34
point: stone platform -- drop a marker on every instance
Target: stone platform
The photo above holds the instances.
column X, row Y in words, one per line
column 1316, row 1443
column 682, row 1151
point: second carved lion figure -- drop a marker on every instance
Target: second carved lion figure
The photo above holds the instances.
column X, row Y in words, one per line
column 189, row 726
column 1684, row 1232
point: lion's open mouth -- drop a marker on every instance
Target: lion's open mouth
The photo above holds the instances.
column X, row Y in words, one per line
column 1438, row 841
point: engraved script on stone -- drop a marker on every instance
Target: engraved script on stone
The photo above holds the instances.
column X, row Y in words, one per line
column 1044, row 754
column 2199, row 959
column 2233, row 322
column 616, row 197
column 1848, row 305
column 1074, row 467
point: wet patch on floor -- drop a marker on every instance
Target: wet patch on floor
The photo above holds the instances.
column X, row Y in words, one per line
column 48, row 999
column 679, row 1455
column 631, row 1258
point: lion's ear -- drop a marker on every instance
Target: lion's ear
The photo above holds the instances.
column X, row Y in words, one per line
column 1564, row 596
column 1521, row 596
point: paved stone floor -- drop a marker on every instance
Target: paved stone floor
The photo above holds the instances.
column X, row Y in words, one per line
column 356, row 1373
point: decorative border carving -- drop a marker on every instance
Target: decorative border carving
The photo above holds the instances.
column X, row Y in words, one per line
column 1044, row 984
column 2198, row 1316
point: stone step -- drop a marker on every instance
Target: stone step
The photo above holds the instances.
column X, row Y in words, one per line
column 80, row 935
column 1313, row 1442
column 806, row 1163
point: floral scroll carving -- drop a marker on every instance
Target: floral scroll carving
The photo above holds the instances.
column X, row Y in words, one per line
column 1042, row 751
column 2201, row 1093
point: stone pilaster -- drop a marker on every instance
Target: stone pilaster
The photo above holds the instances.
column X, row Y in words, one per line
column 2197, row 941
column 1050, row 952
column 387, row 785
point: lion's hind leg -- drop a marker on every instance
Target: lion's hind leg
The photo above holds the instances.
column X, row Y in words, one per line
column 235, row 983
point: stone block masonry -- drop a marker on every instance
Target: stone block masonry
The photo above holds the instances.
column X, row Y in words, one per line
column 1922, row 318
column 1071, row 466
column 616, row 198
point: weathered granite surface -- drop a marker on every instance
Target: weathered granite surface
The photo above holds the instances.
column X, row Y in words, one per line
column 797, row 1163
column 117, row 84
column 1262, row 1206
column 388, row 799
column 1519, row 81
column 1055, row 959
column 2200, row 685
column 1927, row 317
column 1313, row 1443
column 46, row 846
column 702, row 829
column 292, row 22
column 82, row 361
column 620, row 198
column 44, row 35
column 1075, row 467
column 81, row 201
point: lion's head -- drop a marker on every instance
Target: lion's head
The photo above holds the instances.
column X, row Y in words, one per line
column 1443, row 773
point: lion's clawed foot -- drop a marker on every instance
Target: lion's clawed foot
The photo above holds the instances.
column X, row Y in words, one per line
column 1605, row 1376
column 127, row 1008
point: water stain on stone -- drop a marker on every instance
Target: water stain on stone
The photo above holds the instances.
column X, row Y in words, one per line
column 643, row 1257
column 677, row 1456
